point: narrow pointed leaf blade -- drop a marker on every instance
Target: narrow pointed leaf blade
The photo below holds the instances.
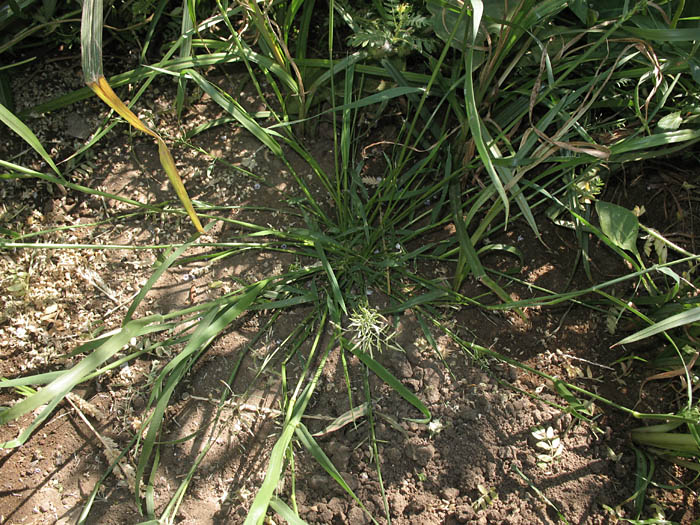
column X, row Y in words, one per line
column 675, row 321
column 237, row 111
column 27, row 135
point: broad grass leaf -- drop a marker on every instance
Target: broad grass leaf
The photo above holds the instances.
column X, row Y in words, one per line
column 91, row 40
column 675, row 321
column 677, row 443
column 476, row 127
column 663, row 35
column 619, row 224
column 91, row 52
column 645, row 143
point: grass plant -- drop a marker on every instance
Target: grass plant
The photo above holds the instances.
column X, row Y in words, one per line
column 509, row 110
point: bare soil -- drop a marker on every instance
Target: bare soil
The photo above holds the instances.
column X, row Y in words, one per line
column 475, row 463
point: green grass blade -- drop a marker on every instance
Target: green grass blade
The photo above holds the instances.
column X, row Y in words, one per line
column 23, row 131
column 537, row 491
column 238, row 112
column 642, row 144
column 467, row 252
column 471, row 107
column 663, row 35
column 185, row 51
column 316, row 451
column 426, row 298
column 216, row 320
column 55, row 391
column 155, row 17
column 160, row 270
column 20, row 172
column 675, row 321
column 643, row 474
column 274, row 469
column 335, row 288
column 38, row 379
column 281, row 508
column 394, row 383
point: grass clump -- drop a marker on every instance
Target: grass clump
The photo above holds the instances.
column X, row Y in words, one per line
column 505, row 111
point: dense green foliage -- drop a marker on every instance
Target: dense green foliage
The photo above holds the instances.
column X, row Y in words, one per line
column 539, row 101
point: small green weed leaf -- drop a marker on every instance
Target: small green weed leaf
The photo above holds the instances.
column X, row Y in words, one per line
column 539, row 433
column 670, row 122
column 619, row 224
column 660, row 246
column 670, row 273
column 611, row 455
column 486, row 498
column 580, row 9
column 447, row 23
column 18, row 288
column 612, row 318
column 683, row 318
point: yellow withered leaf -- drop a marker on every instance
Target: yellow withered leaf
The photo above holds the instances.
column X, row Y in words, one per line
column 103, row 90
